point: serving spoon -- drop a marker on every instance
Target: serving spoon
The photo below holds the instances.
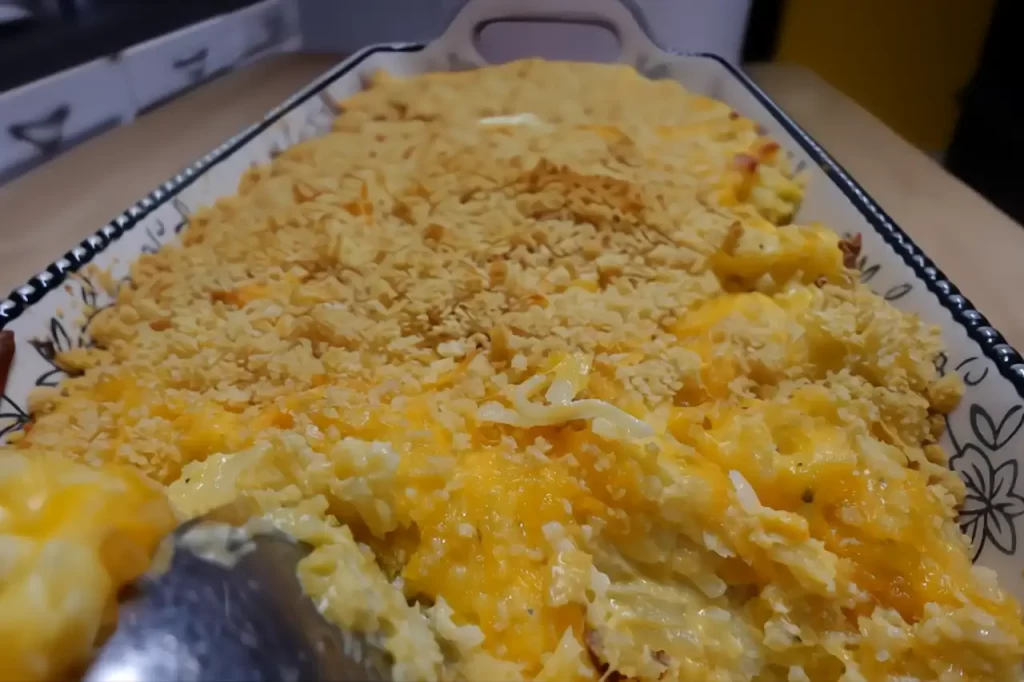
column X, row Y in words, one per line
column 224, row 603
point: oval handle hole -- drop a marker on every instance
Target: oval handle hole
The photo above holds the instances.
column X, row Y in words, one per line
column 505, row 40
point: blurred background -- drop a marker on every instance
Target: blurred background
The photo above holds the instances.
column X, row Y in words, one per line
column 938, row 72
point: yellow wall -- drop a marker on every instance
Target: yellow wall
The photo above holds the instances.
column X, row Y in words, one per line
column 903, row 60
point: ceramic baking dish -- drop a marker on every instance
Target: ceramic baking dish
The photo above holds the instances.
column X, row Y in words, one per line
column 51, row 312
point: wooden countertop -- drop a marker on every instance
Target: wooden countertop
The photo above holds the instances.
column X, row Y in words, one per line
column 47, row 211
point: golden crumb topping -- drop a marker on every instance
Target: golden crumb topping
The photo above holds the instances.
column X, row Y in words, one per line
column 537, row 360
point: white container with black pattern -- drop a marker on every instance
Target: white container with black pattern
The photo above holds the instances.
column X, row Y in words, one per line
column 41, row 119
column 266, row 28
column 985, row 436
column 159, row 69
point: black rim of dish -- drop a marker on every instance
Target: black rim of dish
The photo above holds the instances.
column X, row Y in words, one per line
column 992, row 343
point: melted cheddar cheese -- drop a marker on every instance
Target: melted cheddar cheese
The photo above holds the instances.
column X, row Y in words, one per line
column 538, row 362
column 70, row 537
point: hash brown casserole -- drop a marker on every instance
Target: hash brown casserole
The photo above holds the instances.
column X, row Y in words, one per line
column 536, row 360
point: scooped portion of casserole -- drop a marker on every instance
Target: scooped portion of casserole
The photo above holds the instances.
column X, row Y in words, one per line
column 537, row 359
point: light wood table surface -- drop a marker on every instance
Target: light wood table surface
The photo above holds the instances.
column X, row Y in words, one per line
column 53, row 207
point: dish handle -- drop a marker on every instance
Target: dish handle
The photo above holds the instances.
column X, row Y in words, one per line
column 623, row 18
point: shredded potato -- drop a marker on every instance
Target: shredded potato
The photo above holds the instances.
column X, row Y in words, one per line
column 537, row 361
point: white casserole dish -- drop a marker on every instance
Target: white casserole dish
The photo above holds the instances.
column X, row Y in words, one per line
column 49, row 313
